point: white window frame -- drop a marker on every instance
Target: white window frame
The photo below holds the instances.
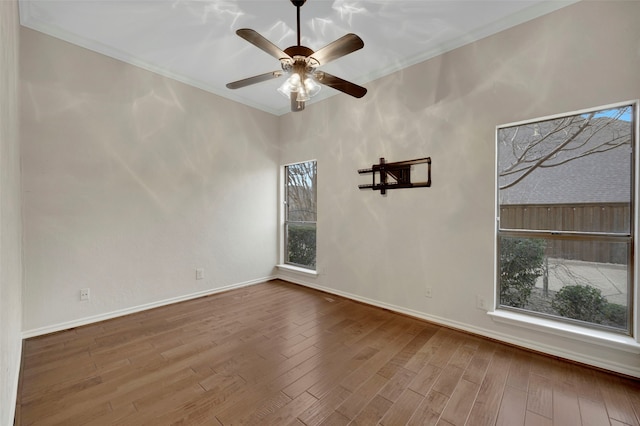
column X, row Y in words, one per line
column 628, row 343
column 282, row 264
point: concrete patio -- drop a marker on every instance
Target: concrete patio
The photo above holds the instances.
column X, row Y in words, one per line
column 610, row 278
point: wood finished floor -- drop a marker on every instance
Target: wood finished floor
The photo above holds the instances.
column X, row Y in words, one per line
column 280, row 354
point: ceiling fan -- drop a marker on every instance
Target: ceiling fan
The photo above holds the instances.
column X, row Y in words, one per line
column 301, row 64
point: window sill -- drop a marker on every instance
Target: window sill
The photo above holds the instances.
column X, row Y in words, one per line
column 298, row 270
column 597, row 337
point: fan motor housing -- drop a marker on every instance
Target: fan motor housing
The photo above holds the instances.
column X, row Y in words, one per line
column 298, row 51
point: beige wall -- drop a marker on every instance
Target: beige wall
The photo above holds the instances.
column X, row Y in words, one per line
column 10, row 222
column 387, row 250
column 131, row 181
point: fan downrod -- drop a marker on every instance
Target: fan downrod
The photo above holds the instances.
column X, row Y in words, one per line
column 298, row 4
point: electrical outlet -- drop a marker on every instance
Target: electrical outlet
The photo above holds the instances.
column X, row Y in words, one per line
column 481, row 303
column 199, row 273
column 84, row 294
column 428, row 292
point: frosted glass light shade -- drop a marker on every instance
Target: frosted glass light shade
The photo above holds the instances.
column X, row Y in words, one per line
column 294, row 84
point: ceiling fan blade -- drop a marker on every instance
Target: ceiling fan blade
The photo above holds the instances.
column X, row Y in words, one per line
column 341, row 47
column 342, row 85
column 262, row 43
column 255, row 79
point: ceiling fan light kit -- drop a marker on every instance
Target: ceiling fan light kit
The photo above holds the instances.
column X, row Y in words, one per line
column 300, row 64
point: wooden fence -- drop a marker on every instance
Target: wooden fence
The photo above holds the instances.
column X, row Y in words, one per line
column 610, row 218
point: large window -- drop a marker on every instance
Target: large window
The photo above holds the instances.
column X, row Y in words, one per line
column 300, row 214
column 565, row 226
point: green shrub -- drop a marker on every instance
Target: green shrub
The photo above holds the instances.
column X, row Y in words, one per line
column 301, row 245
column 580, row 302
column 615, row 315
column 521, row 261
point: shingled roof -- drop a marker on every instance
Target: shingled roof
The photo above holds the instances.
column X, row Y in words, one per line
column 603, row 177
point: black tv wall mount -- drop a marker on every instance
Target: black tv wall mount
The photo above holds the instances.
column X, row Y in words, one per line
column 395, row 175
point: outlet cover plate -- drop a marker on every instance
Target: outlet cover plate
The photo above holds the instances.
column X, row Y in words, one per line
column 481, row 303
column 84, row 294
column 199, row 273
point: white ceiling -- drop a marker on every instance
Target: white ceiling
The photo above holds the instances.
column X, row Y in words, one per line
column 195, row 42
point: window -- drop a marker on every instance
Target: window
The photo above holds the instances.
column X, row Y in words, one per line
column 565, row 227
column 300, row 215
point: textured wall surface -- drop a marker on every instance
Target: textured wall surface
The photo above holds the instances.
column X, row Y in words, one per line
column 389, row 249
column 131, row 182
column 10, row 221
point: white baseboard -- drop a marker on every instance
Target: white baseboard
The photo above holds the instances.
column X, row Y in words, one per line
column 122, row 312
column 524, row 343
column 15, row 386
column 509, row 339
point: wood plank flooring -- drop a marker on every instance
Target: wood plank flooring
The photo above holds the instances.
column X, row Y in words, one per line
column 281, row 354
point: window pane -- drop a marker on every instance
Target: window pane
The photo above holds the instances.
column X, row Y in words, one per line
column 585, row 280
column 300, row 217
column 301, row 192
column 301, row 244
column 568, row 174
